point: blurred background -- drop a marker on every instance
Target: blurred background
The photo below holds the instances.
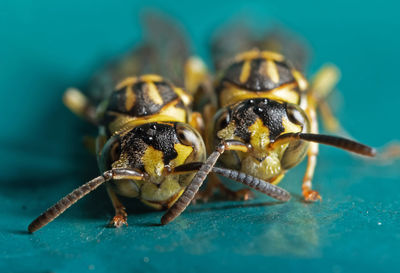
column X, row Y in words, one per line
column 47, row 46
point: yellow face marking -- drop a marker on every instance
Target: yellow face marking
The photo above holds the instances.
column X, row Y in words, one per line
column 244, row 75
column 228, row 132
column 151, row 78
column 153, row 93
column 130, row 98
column 126, row 82
column 157, row 195
column 183, row 153
column 302, row 82
column 290, row 127
column 259, row 137
column 185, row 97
column 267, row 169
column 121, row 162
column 153, row 162
column 272, row 71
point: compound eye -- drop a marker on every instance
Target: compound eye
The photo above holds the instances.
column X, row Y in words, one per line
column 295, row 114
column 111, row 152
column 115, row 151
column 223, row 119
column 186, row 135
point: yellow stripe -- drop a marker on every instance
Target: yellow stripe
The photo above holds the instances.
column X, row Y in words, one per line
column 272, row 71
column 151, row 78
column 272, row 56
column 130, row 98
column 301, row 81
column 231, row 94
column 126, row 82
column 185, row 97
column 153, row 161
column 183, row 153
column 256, row 53
column 259, row 138
column 244, row 75
column 131, row 122
column 248, row 55
column 153, row 93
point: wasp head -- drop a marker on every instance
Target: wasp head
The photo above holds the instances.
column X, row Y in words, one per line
column 154, row 149
column 258, row 123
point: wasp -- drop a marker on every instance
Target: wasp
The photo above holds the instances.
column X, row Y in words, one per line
column 266, row 121
column 149, row 144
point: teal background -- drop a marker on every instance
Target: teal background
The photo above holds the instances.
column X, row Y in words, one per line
column 47, row 46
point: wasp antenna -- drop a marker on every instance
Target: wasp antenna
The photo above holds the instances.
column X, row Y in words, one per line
column 58, row 208
column 339, row 142
column 254, row 183
column 244, row 178
column 187, row 196
column 181, row 204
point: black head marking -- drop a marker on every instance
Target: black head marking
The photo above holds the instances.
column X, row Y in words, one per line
column 160, row 136
column 270, row 112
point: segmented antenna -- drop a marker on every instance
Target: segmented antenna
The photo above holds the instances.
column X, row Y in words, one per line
column 338, row 142
column 241, row 177
column 254, row 183
column 58, row 208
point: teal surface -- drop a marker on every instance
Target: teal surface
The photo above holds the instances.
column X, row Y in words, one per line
column 47, row 46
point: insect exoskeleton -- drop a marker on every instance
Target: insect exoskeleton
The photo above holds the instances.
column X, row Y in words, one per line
column 258, row 123
column 148, row 147
column 144, row 133
column 153, row 149
column 266, row 124
column 260, row 74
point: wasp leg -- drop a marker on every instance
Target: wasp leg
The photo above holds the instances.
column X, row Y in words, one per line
column 198, row 82
column 79, row 104
column 121, row 216
column 197, row 122
column 322, row 84
column 308, row 193
column 196, row 74
column 390, row 152
column 208, row 114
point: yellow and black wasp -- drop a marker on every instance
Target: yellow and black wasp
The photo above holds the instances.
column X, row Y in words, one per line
column 266, row 121
column 149, row 144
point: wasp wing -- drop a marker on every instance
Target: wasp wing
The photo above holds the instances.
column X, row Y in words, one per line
column 164, row 51
column 239, row 37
